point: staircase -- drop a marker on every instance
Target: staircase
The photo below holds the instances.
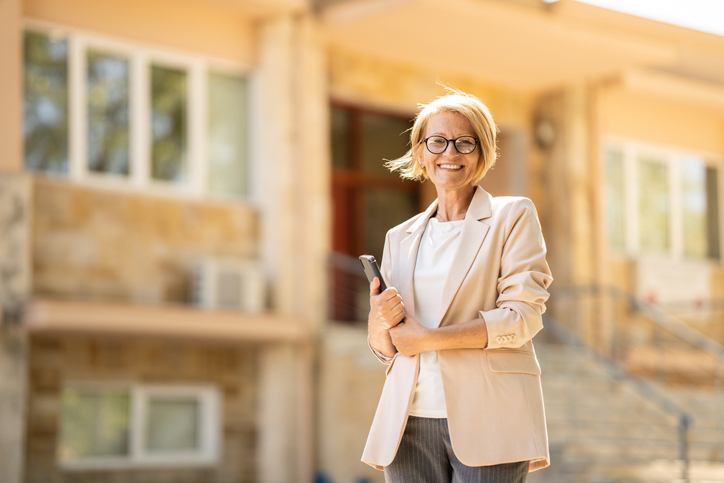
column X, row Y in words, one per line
column 605, row 427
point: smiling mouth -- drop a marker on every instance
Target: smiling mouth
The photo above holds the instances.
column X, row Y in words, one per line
column 450, row 166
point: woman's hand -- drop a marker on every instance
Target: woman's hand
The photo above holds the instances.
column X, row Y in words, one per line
column 386, row 308
column 411, row 337
column 386, row 311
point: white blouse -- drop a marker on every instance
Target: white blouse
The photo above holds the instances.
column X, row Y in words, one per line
column 434, row 259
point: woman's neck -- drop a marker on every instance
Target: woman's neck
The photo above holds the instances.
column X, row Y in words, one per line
column 453, row 205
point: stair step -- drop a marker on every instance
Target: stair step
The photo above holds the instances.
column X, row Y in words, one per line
column 596, row 417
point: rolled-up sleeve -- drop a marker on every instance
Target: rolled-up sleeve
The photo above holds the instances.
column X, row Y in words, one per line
column 523, row 282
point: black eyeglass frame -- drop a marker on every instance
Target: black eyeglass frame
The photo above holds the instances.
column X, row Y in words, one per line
column 454, row 141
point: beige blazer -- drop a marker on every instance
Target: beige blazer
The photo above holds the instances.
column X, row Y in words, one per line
column 493, row 395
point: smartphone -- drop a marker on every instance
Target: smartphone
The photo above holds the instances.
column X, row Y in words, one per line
column 369, row 265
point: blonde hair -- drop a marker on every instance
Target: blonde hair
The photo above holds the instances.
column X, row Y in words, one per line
column 468, row 106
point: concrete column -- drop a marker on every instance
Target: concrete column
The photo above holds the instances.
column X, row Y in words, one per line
column 313, row 173
column 581, row 188
column 604, row 313
column 277, row 459
column 15, row 267
column 15, row 286
column 274, row 158
column 292, row 167
column 571, row 198
column 11, row 94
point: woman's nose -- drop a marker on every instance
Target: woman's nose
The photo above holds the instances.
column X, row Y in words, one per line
column 450, row 149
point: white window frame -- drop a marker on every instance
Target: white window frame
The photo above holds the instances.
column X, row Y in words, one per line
column 632, row 151
column 209, row 422
column 141, row 57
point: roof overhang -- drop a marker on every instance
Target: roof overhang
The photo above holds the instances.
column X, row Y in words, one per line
column 262, row 8
column 520, row 43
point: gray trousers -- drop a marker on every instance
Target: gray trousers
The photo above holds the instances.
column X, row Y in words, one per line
column 425, row 455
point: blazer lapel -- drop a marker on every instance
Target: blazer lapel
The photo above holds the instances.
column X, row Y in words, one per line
column 408, row 258
column 471, row 239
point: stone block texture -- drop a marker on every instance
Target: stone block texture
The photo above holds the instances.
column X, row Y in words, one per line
column 115, row 246
column 57, row 360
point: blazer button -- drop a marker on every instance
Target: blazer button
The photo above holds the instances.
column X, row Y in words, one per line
column 499, row 339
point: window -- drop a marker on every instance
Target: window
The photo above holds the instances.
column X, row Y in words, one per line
column 615, row 213
column 661, row 201
column 111, row 426
column 109, row 148
column 45, row 110
column 368, row 199
column 654, row 208
column 103, row 110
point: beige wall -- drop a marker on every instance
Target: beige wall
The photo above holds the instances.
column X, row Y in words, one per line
column 395, row 85
column 181, row 24
column 659, row 120
column 350, row 383
column 108, row 245
column 56, row 361
column 11, row 144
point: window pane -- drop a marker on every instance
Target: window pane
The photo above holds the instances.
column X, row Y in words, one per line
column 699, row 210
column 173, row 424
column 384, row 209
column 653, row 180
column 341, row 120
column 227, row 135
column 93, row 423
column 45, row 109
column 168, row 124
column 384, row 138
column 108, row 113
column 615, row 199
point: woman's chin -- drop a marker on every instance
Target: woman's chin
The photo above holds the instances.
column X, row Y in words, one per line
column 452, row 183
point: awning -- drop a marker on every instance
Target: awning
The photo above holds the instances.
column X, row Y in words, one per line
column 519, row 43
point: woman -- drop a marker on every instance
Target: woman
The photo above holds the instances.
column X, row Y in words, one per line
column 467, row 283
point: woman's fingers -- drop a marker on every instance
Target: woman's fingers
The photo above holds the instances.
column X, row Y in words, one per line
column 375, row 286
column 386, row 309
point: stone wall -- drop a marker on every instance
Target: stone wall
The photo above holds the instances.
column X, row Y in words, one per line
column 15, row 280
column 350, row 384
column 103, row 244
column 55, row 360
column 15, row 215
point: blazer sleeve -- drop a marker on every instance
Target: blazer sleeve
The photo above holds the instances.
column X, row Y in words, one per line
column 523, row 281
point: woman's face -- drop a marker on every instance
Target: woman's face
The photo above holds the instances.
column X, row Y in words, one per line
column 450, row 170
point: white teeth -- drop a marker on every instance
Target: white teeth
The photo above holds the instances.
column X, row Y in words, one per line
column 450, row 166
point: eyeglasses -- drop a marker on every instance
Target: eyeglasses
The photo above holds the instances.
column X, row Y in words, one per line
column 438, row 144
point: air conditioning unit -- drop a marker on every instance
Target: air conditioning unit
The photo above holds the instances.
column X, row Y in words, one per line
column 228, row 284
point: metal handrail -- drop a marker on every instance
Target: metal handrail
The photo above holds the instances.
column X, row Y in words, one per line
column 656, row 314
column 672, row 328
column 644, row 388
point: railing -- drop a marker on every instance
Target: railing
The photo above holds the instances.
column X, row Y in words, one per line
column 349, row 290
column 660, row 350
column 645, row 389
column 640, row 336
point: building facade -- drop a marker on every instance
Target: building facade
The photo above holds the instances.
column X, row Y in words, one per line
column 184, row 186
